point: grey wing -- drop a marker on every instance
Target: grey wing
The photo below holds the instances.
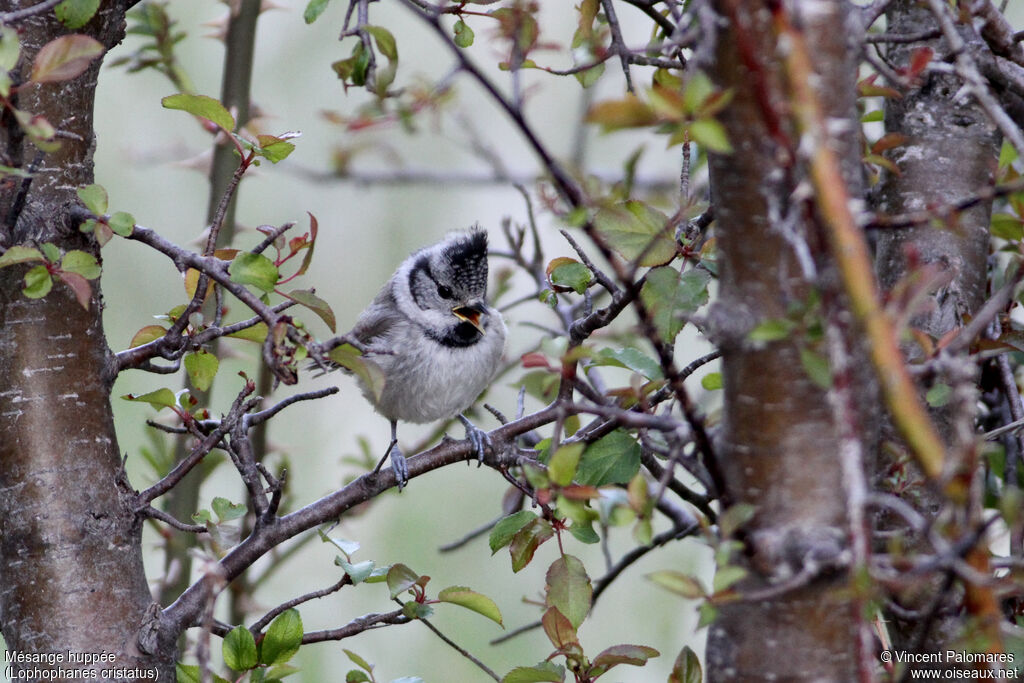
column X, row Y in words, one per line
column 375, row 323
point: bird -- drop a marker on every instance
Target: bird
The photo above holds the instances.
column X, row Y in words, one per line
column 433, row 336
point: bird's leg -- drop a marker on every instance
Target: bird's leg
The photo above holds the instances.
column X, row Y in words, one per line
column 398, row 463
column 477, row 437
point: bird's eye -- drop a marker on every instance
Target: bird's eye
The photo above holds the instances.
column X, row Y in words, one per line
column 444, row 292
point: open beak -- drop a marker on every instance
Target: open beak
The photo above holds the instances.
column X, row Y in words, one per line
column 470, row 314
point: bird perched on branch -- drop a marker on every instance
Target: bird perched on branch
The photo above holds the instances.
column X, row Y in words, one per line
column 434, row 338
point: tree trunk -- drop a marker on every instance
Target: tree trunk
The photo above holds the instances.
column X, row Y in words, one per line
column 71, row 573
column 780, row 435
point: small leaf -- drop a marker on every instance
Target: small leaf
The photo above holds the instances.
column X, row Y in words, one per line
column 545, row 672
column 83, row 263
column 20, row 254
column 479, row 603
column 65, row 58
column 710, row 134
column 358, row 572
column 122, row 223
column 773, row 329
column 463, row 34
column 401, row 579
column 558, row 629
column 94, row 197
column 385, row 41
column 568, row 589
column 226, row 510
column 938, row 395
column 677, row 582
column 711, row 381
column 638, row 232
column 630, row 112
column 254, row 269
column 526, row 541
column 161, row 398
column 369, row 373
column 38, row 282
column 314, row 9
column 508, row 527
column 239, row 649
column 50, row 251
column 284, row 636
column 686, row 668
column 671, row 296
column 735, row 517
column 201, row 367
column 562, row 465
column 817, row 368
column 727, row 576
column 147, row 334
column 75, row 14
column 257, row 333
column 307, row 298
column 273, row 148
column 10, row 49
column 612, row 459
column 566, row 274
column 631, row 359
column 634, row 655
column 79, row 286
column 202, row 106
column 357, row 660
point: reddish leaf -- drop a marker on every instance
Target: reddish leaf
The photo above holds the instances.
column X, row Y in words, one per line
column 888, row 141
column 65, row 58
column 535, row 360
column 919, row 61
column 79, row 285
column 558, row 629
column 569, row 589
column 526, row 541
column 147, row 334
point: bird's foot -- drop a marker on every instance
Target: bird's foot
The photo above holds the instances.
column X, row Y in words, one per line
column 478, row 437
column 399, row 465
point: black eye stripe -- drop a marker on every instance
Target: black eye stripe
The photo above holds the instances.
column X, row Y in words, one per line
column 422, row 266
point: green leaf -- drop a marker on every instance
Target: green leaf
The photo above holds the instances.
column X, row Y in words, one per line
column 727, row 576
column 83, row 263
column 686, row 668
column 873, row 116
column 563, row 463
column 568, row 589
column 38, row 282
column 938, row 395
column 50, row 251
column 161, row 398
column 773, row 329
column 254, row 269
column 671, row 296
column 385, row 41
column 735, row 517
column 307, row 298
column 257, row 333
column 65, row 58
column 357, row 676
column 122, row 223
column 357, row 660
column 630, row 358
column 401, row 579
column 682, row 584
column 202, row 106
column 226, row 510
column 590, row 76
column 463, row 34
column 314, row 9
column 711, row 381
column 612, row 459
column 147, row 334
column 584, row 533
column 350, row 358
column 201, row 367
column 343, row 544
column 94, row 197
column 10, row 49
column 638, row 232
column 559, row 630
column 526, row 541
column 817, row 368
column 75, row 14
column 274, row 148
column 566, row 273
column 507, row 528
column 284, row 636
column 239, row 649
column 358, row 572
column 630, row 112
column 710, row 134
column 187, row 673
column 634, row 655
column 545, row 672
column 1007, row 226
column 471, row 600
column 20, row 254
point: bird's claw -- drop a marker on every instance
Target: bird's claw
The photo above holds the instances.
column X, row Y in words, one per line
column 399, row 465
column 478, row 437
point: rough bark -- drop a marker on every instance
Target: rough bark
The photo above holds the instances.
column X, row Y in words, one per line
column 949, row 152
column 71, row 573
column 780, row 438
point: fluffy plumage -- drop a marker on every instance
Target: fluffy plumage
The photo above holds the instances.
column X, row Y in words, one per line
column 432, row 334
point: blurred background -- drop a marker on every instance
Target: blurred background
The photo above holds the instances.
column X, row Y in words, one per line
column 153, row 163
